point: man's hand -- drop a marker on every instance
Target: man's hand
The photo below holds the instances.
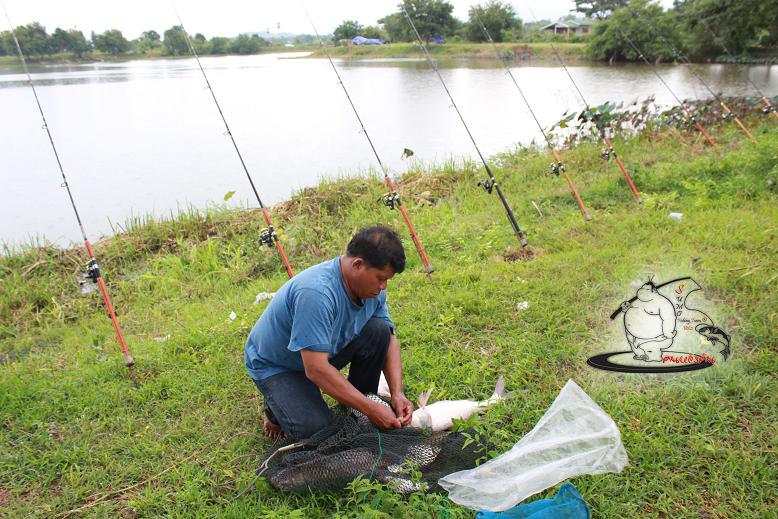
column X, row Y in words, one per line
column 383, row 417
column 403, row 408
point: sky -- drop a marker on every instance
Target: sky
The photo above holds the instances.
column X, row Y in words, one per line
column 232, row 17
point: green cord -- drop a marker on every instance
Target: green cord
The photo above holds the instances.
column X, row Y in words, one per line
column 380, row 453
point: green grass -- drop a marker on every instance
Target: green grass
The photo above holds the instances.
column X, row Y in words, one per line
column 518, row 51
column 76, row 429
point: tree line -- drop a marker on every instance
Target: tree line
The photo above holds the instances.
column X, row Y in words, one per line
column 699, row 28
column 435, row 18
column 36, row 41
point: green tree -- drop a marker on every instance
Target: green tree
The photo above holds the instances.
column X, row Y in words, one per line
column 737, row 24
column 201, row 44
column 220, row 45
column 431, row 17
column 347, row 30
column 247, row 44
column 33, row 39
column 111, row 41
column 371, row 31
column 76, row 43
column 59, row 40
column 643, row 23
column 599, row 9
column 175, row 41
column 150, row 35
column 148, row 41
column 498, row 17
column 396, row 27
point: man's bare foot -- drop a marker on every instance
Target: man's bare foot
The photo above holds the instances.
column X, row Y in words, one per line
column 272, row 430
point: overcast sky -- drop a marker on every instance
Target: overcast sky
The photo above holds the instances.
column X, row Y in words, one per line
column 231, row 17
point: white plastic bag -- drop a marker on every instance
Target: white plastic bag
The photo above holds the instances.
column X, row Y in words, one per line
column 574, row 437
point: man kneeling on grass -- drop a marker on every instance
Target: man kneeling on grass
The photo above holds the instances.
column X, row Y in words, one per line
column 330, row 315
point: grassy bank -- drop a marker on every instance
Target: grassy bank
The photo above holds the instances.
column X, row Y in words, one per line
column 514, row 51
column 98, row 57
column 180, row 436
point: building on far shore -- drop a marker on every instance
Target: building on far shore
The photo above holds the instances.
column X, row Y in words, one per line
column 580, row 27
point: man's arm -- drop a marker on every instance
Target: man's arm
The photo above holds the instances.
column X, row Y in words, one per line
column 393, row 371
column 319, row 371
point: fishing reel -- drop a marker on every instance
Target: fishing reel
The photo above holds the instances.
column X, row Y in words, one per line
column 727, row 116
column 607, row 153
column 557, row 167
column 268, row 236
column 391, row 200
column 92, row 271
column 767, row 109
column 488, row 185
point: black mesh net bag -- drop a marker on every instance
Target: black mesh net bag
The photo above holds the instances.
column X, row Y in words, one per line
column 352, row 446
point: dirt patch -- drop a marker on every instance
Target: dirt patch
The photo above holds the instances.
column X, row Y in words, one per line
column 5, row 497
column 519, row 254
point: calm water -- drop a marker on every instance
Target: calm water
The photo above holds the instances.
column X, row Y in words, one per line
column 144, row 137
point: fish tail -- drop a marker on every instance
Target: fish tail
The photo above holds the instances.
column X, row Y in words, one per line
column 424, row 397
column 498, row 394
column 499, row 389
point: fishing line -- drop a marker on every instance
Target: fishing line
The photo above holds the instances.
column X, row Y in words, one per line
column 727, row 112
column 267, row 236
column 556, row 167
column 93, row 269
column 689, row 115
column 489, row 184
column 391, row 199
column 768, row 106
column 609, row 150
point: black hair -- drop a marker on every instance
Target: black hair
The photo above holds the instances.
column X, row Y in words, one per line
column 379, row 246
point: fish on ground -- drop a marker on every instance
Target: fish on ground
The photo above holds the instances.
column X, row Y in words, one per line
column 440, row 415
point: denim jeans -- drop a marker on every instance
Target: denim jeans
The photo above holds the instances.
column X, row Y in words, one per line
column 296, row 403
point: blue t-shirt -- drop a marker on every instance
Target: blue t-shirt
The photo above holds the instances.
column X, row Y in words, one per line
column 311, row 311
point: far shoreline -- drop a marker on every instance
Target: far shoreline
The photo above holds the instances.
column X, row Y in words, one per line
column 514, row 52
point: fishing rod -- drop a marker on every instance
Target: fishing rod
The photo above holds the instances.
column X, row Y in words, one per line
column 609, row 150
column 490, row 184
column 689, row 115
column 768, row 106
column 93, row 269
column 391, row 199
column 727, row 112
column 556, row 167
column 267, row 236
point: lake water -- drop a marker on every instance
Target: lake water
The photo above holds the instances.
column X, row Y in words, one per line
column 144, row 137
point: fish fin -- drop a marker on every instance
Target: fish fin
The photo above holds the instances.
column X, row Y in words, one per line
column 498, row 394
column 424, row 397
column 499, row 389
